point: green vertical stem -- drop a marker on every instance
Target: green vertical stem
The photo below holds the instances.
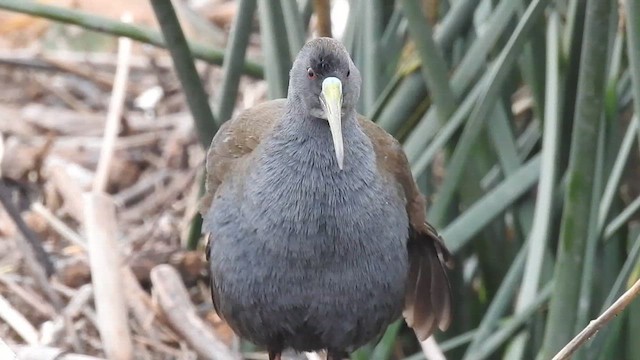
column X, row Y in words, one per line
column 236, row 50
column 275, row 47
column 587, row 298
column 434, row 68
column 390, row 48
column 572, row 44
column 408, row 96
column 371, row 61
column 306, row 11
column 454, row 22
column 633, row 312
column 351, row 30
column 543, row 215
column 293, row 22
column 583, row 311
column 496, row 78
column 574, row 230
column 470, row 66
column 632, row 8
column 499, row 304
column 615, row 172
column 194, row 92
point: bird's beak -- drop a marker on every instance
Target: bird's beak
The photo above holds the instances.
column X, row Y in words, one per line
column 331, row 100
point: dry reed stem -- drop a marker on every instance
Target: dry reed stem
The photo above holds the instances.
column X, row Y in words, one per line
column 322, row 9
column 105, row 263
column 74, row 307
column 595, row 325
column 140, row 304
column 173, row 299
column 101, row 227
column 115, row 111
column 58, row 226
column 18, row 322
column 48, row 353
column 30, row 297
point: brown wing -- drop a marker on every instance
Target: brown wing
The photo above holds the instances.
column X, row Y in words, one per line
column 230, row 152
column 428, row 296
column 233, row 144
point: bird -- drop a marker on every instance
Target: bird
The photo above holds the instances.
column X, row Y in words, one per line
column 317, row 232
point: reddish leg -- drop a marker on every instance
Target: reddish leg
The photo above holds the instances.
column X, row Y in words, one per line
column 274, row 355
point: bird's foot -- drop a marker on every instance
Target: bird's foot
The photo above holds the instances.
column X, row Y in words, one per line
column 275, row 355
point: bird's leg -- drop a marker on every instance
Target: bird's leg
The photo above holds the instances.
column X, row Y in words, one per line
column 336, row 355
column 274, row 355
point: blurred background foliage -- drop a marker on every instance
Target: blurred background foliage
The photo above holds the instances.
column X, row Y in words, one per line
column 517, row 117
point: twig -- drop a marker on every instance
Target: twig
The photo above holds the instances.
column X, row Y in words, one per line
column 105, row 82
column 172, row 352
column 140, row 304
column 47, row 353
column 323, row 17
column 29, row 296
column 63, row 94
column 177, row 308
column 31, row 61
column 69, row 60
column 115, row 111
column 141, row 188
column 117, row 28
column 176, row 187
column 58, row 226
column 112, row 319
column 18, row 322
column 101, row 227
column 595, row 325
column 50, row 334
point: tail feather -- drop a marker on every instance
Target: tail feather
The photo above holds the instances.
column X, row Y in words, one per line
column 428, row 297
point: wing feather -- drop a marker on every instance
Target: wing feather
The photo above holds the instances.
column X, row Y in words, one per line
column 428, row 295
column 228, row 154
column 234, row 142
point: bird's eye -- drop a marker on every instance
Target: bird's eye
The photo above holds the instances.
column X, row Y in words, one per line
column 311, row 74
column 348, row 72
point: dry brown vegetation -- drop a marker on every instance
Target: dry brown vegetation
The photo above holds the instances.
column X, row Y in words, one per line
column 57, row 83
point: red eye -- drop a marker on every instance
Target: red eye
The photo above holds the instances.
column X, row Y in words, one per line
column 311, row 74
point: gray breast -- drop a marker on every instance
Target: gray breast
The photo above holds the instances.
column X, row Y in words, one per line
column 308, row 256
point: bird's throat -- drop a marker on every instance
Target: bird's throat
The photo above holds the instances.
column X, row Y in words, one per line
column 308, row 140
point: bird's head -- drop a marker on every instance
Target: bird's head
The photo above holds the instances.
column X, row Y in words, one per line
column 325, row 82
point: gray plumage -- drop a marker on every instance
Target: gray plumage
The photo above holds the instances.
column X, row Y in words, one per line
column 305, row 255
